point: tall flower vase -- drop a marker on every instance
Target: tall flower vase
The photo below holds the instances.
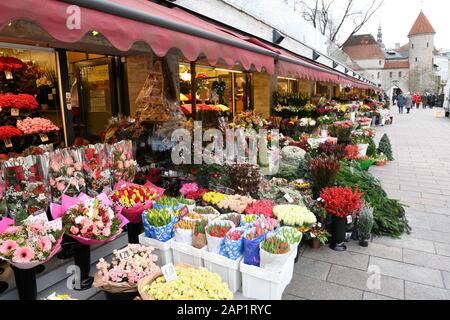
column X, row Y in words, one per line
column 353, row 116
column 134, row 230
column 338, row 230
column 82, row 257
column 324, row 131
column 362, row 148
column 26, row 283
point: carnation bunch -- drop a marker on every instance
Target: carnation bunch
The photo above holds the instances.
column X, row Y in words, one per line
column 36, row 125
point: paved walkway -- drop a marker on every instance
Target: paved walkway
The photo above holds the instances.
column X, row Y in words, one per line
column 416, row 266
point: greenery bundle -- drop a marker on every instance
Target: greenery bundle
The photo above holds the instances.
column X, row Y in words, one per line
column 389, row 214
column 385, row 147
column 372, row 149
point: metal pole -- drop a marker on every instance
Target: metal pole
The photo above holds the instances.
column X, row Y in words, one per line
column 64, row 88
column 194, row 90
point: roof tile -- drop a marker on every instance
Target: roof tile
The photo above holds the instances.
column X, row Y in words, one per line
column 421, row 26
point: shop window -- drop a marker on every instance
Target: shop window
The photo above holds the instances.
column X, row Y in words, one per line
column 391, row 74
column 412, row 45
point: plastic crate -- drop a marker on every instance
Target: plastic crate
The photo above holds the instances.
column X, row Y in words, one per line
column 261, row 284
column 183, row 253
column 228, row 269
column 163, row 250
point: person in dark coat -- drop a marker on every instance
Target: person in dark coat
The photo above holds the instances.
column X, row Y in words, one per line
column 424, row 101
column 433, row 101
column 400, row 103
column 408, row 102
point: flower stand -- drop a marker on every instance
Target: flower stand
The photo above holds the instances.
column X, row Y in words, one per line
column 25, row 283
column 134, row 230
column 82, row 257
column 338, row 230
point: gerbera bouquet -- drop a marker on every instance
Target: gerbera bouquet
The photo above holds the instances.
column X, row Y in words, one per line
column 66, row 173
column 89, row 220
column 32, row 243
column 97, row 167
column 124, row 165
column 133, row 199
column 127, row 267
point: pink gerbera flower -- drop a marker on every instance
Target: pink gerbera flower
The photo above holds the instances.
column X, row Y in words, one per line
column 23, row 255
column 45, row 244
column 13, row 229
column 37, row 228
column 8, row 246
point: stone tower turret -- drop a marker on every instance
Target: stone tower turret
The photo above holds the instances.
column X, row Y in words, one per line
column 421, row 44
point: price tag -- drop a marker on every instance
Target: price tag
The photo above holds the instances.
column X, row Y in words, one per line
column 313, row 236
column 169, row 272
column 8, row 143
column 184, row 212
column 44, row 137
column 8, row 75
column 15, row 112
column 124, row 254
column 288, row 198
column 50, row 96
column 319, row 224
column 349, row 219
column 53, row 90
column 69, row 106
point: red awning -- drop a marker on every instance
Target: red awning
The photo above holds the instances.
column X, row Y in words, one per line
column 122, row 33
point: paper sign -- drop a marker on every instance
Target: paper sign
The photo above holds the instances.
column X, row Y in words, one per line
column 288, row 198
column 44, row 137
column 41, row 217
column 14, row 112
column 8, row 143
column 313, row 235
column 54, row 225
column 169, row 272
column 69, row 106
column 50, row 96
column 349, row 219
column 54, row 90
column 42, row 197
column 8, row 75
column 319, row 224
column 124, row 254
column 184, row 212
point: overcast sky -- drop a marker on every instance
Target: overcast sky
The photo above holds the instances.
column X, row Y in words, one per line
column 398, row 16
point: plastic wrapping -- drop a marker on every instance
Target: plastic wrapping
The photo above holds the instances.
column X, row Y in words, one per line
column 66, row 175
column 97, row 167
column 215, row 243
column 251, row 250
column 163, row 234
column 123, row 163
column 233, row 249
column 184, row 236
column 25, row 188
column 273, row 262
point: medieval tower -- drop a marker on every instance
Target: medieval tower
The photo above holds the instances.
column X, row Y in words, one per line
column 421, row 55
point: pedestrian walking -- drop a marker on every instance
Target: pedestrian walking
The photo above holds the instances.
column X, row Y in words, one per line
column 424, row 101
column 416, row 100
column 400, row 102
column 433, row 101
column 408, row 102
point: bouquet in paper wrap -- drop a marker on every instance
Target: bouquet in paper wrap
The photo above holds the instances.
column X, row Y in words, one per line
column 66, row 173
column 26, row 191
column 97, row 167
column 32, row 243
column 127, row 267
column 133, row 199
column 159, row 224
column 124, row 165
column 89, row 220
column 233, row 244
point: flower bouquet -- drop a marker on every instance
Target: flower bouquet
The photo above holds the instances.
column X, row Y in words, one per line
column 166, row 202
column 12, row 64
column 21, row 101
column 199, row 235
column 291, row 235
column 9, row 132
column 133, row 199
column 25, row 190
column 124, row 165
column 189, row 203
column 364, row 122
column 292, row 215
column 261, row 207
column 188, row 188
column 36, row 125
column 233, row 244
column 234, row 217
column 196, row 195
column 252, row 239
column 32, row 243
column 342, row 130
column 97, row 167
column 213, row 198
column 158, row 224
column 216, row 232
column 208, row 212
column 127, row 267
column 191, row 284
column 89, row 220
column 249, row 220
column 268, row 224
column 184, row 230
column 66, row 173
column 274, row 252
column 235, row 203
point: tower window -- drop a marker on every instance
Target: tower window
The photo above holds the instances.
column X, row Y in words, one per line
column 390, row 74
column 380, row 62
column 379, row 75
column 428, row 44
column 399, row 74
column 412, row 45
column 417, row 60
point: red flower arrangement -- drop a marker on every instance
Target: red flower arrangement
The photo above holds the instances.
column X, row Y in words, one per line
column 264, row 207
column 8, row 132
column 196, row 195
column 341, row 201
column 12, row 64
column 235, row 235
column 18, row 101
column 218, row 231
column 352, row 152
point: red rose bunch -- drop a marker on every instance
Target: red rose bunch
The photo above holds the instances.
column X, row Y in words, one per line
column 12, row 64
column 8, row 132
column 263, row 207
column 195, row 195
column 218, row 231
column 20, row 101
column 341, row 201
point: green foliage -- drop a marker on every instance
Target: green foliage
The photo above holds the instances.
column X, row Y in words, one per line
column 288, row 172
column 389, row 214
column 304, row 169
column 372, row 149
column 385, row 147
column 364, row 224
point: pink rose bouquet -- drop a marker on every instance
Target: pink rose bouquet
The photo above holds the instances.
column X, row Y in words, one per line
column 262, row 207
column 188, row 188
column 89, row 220
column 34, row 242
column 235, row 203
column 66, row 175
column 36, row 125
column 123, row 164
column 127, row 267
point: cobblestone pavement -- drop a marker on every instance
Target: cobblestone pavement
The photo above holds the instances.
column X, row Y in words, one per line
column 417, row 266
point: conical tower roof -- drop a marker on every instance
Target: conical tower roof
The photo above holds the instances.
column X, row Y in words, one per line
column 421, row 26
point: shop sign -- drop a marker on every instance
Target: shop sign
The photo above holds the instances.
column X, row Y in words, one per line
column 169, row 272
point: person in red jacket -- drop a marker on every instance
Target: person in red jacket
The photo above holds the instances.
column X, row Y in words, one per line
column 417, row 99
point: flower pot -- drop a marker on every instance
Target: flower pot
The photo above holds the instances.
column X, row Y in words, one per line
column 338, row 231
column 364, row 243
column 362, row 148
column 324, row 131
column 314, row 244
column 25, row 283
column 353, row 116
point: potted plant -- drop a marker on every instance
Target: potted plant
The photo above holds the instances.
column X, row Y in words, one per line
column 340, row 203
column 362, row 139
column 364, row 225
column 316, row 235
column 324, row 121
column 324, row 171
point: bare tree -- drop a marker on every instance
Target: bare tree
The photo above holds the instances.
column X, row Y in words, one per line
column 330, row 16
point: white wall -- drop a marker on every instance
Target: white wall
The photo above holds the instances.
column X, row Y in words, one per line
column 421, row 51
column 388, row 82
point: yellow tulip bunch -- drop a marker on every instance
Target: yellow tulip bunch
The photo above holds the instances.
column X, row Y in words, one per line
column 213, row 197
